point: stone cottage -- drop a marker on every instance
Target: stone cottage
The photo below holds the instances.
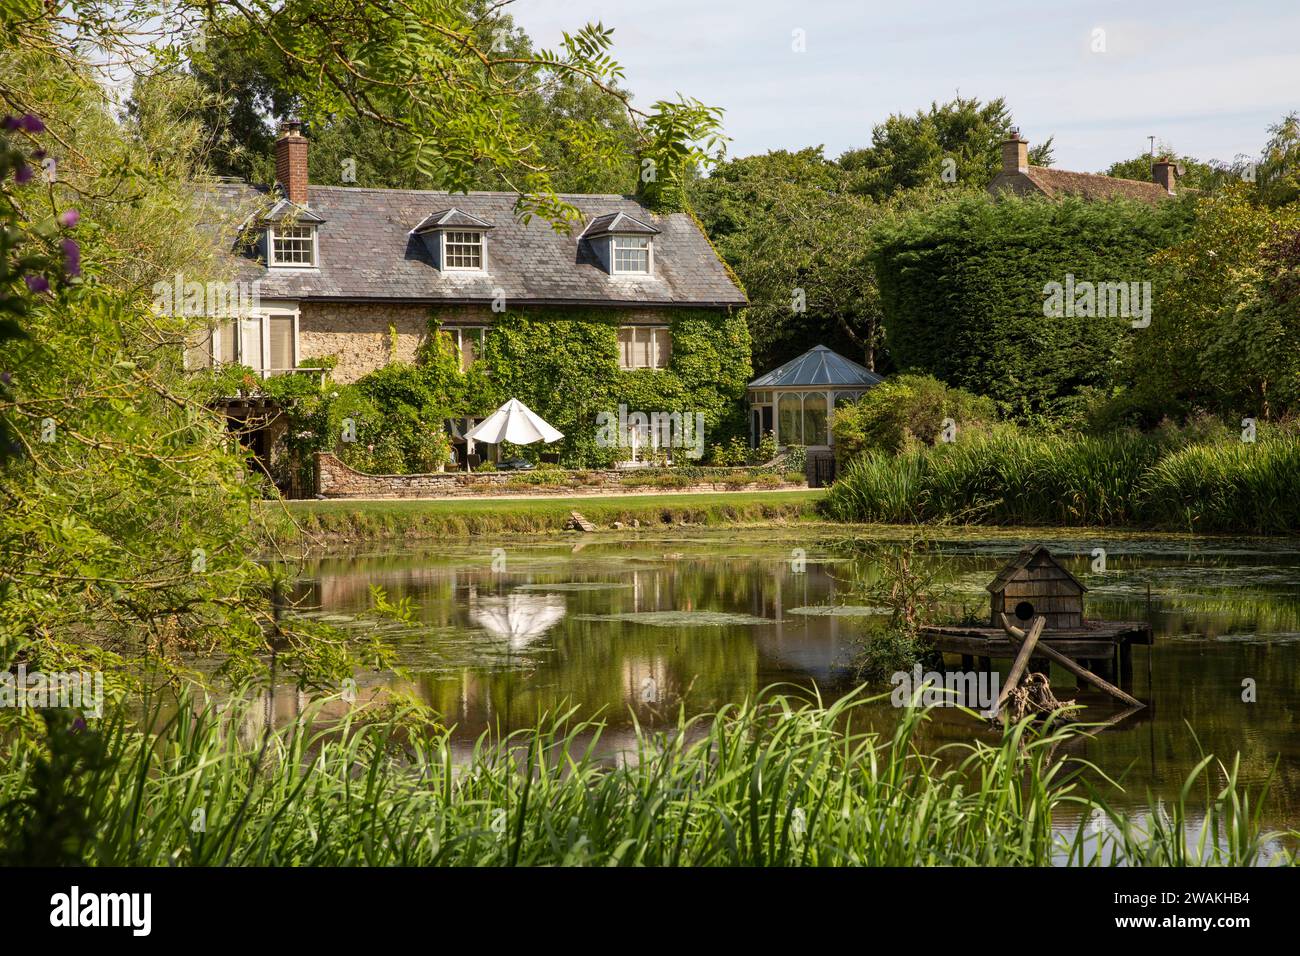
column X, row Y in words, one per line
column 356, row 274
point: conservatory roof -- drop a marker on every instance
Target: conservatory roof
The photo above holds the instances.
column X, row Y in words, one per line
column 819, row 367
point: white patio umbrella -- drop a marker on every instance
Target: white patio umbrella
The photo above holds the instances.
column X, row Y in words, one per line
column 514, row 422
column 518, row 618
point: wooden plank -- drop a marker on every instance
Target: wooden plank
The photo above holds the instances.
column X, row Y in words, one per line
column 1022, row 661
column 983, row 647
column 1075, row 669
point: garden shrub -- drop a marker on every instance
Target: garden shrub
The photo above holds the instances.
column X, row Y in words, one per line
column 903, row 410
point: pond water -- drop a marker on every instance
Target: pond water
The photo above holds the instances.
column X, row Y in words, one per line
column 644, row 625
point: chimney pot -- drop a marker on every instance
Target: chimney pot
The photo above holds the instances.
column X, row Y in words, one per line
column 291, row 161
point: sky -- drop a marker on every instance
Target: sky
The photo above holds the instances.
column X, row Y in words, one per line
column 1205, row 78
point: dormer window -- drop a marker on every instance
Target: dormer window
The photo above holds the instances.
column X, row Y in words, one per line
column 631, row 255
column 456, row 241
column 291, row 236
column 624, row 244
column 292, row 246
column 462, row 250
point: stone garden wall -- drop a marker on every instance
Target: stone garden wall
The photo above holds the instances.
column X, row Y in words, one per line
column 334, row 479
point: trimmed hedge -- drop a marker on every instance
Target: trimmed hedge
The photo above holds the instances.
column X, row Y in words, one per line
column 962, row 286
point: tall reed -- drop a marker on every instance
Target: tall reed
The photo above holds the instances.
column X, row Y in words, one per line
column 1008, row 477
column 781, row 783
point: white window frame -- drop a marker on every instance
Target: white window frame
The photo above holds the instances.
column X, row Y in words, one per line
column 658, row 362
column 482, row 249
column 263, row 319
column 273, row 263
column 649, row 269
column 457, row 333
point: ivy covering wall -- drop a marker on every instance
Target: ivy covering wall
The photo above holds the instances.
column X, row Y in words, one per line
column 562, row 363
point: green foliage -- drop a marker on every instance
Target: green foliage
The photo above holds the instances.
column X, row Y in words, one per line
column 563, row 364
column 583, row 136
column 456, row 88
column 684, row 137
column 128, row 533
column 964, row 287
column 734, row 453
column 1225, row 334
column 1167, row 480
column 796, row 457
column 1195, row 174
column 353, row 520
column 833, row 793
column 909, row 152
column 765, row 451
column 798, row 238
column 903, row 410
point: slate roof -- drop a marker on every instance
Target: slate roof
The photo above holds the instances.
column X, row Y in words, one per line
column 368, row 252
column 1061, row 182
column 1022, row 561
column 819, row 367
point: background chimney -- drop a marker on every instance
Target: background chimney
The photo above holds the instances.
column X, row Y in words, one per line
column 291, row 161
column 1165, row 172
column 1015, row 153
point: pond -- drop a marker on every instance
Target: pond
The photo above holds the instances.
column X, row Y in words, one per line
column 646, row 624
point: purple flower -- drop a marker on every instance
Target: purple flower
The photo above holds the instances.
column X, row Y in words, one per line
column 6, row 378
column 71, row 257
column 37, row 283
column 29, row 122
column 38, row 154
column 69, row 218
column 23, row 175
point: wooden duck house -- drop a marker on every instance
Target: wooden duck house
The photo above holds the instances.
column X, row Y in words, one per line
column 1033, row 584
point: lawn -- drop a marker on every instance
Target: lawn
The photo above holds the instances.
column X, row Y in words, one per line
column 428, row 518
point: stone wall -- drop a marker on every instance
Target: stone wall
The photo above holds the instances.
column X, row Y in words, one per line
column 365, row 336
column 334, row 479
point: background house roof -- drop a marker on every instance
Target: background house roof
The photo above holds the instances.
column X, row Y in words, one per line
column 368, row 252
column 1061, row 182
column 818, row 367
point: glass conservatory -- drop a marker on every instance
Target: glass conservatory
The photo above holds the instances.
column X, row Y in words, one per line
column 797, row 401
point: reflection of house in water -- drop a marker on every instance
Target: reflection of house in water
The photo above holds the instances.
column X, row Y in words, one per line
column 647, row 682
column 815, row 646
column 517, row 617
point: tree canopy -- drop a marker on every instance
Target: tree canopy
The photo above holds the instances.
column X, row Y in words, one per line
column 959, row 141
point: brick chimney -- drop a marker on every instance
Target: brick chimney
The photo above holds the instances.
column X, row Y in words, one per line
column 1165, row 172
column 291, row 161
column 1015, row 153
